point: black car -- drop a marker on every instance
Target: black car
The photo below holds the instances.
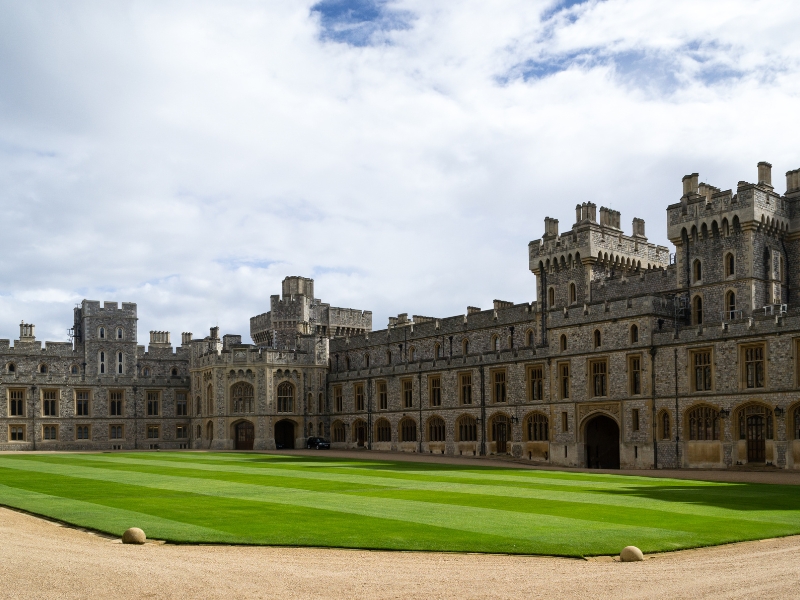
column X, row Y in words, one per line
column 318, row 443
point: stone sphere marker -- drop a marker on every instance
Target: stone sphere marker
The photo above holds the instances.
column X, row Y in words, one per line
column 631, row 554
column 134, row 535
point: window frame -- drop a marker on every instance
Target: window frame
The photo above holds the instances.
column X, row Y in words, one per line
column 535, row 385
column 113, row 409
column 499, row 383
column 284, row 403
column 111, row 430
column 45, row 434
column 537, row 427
column 563, row 370
column 17, row 432
column 635, row 380
column 338, row 399
column 50, row 406
column 153, row 403
column 359, row 402
column 79, row 430
column 151, row 427
column 465, row 388
column 382, row 389
column 407, row 392
column 85, row 402
column 694, row 353
column 598, row 378
column 17, row 406
column 744, row 362
column 435, row 390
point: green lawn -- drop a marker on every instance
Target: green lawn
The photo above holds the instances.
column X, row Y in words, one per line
column 317, row 501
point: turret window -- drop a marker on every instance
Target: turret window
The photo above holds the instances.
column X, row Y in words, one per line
column 120, row 363
column 102, row 363
column 101, row 333
column 730, row 265
column 697, row 270
column 573, row 294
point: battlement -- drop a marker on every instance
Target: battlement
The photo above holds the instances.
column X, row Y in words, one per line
column 92, row 308
column 704, row 209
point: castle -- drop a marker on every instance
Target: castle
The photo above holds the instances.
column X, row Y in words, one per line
column 630, row 357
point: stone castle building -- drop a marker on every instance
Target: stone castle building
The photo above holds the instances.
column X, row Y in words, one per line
column 630, row 356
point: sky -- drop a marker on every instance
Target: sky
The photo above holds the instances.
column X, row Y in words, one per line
column 187, row 156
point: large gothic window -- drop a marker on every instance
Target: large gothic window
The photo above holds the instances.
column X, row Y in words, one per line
column 242, row 398
column 285, row 397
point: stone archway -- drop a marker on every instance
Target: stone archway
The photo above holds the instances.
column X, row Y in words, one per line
column 284, row 434
column 244, row 434
column 601, row 436
column 210, row 433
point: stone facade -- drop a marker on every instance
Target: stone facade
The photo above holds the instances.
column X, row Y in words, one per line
column 630, row 356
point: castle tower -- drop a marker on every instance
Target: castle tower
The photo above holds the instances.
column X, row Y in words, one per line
column 733, row 250
column 106, row 336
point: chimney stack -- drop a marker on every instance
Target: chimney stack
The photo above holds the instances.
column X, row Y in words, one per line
column 765, row 173
column 186, row 338
column 638, row 228
column 550, row 227
column 26, row 332
column 690, row 184
column 792, row 180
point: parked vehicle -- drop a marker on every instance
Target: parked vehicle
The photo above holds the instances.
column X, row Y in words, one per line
column 318, row 443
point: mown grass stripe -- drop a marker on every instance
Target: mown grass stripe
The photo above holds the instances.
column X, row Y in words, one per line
column 546, row 529
column 633, row 500
column 114, row 520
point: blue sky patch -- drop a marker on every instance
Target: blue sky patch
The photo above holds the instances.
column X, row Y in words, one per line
column 359, row 22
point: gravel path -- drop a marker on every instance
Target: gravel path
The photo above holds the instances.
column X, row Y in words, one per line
column 42, row 559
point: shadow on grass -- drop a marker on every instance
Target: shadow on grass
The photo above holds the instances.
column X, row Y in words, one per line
column 731, row 496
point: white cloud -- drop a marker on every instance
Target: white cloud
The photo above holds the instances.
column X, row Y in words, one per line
column 188, row 156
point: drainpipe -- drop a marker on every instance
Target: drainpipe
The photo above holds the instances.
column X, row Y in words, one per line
column 369, row 413
column 33, row 416
column 421, row 426
column 483, row 413
column 677, row 415
column 653, row 350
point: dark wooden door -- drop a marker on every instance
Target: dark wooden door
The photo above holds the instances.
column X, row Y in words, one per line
column 245, row 434
column 361, row 435
column 501, row 438
column 756, row 444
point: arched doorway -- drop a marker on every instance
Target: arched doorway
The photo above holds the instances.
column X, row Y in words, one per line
column 602, row 443
column 244, row 434
column 360, row 433
column 210, row 433
column 500, row 430
column 284, row 435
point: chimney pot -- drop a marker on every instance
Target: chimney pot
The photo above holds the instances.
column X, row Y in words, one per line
column 765, row 173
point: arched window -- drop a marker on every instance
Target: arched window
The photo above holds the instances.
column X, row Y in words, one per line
column 634, row 334
column 388, row 357
column 320, row 404
column 697, row 269
column 366, row 361
column 120, row 363
column 730, row 305
column 337, row 431
column 174, row 372
column 199, row 410
column 598, row 340
column 242, row 398
column 666, row 428
column 383, row 431
column 120, row 333
column 146, row 371
column 536, row 427
column 437, row 351
column 285, row 397
column 465, row 347
column 495, row 343
column 703, row 423
column 74, row 370
column 408, row 430
column 467, row 429
column 210, row 399
column 697, row 310
column 757, row 417
column 436, row 429
column 199, row 432
column 346, row 363
column 42, row 369
column 11, row 368
column 101, row 333
column 529, row 337
column 573, row 293
column 551, row 298
column 563, row 343
column 730, row 265
column 412, row 354
column 102, row 363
